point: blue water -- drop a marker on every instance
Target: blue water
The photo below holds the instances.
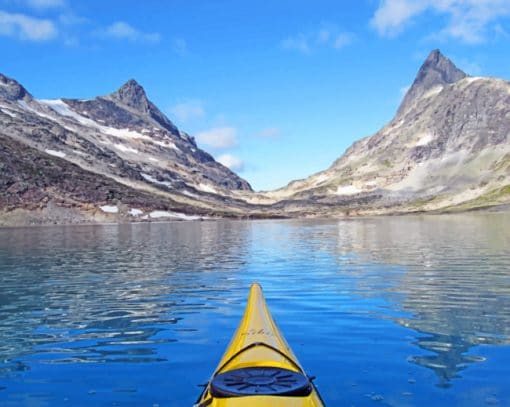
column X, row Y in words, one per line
column 401, row 311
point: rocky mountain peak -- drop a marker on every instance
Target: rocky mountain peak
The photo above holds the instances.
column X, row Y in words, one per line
column 132, row 94
column 11, row 89
column 436, row 71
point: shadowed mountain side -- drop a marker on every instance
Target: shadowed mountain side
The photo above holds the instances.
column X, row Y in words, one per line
column 37, row 188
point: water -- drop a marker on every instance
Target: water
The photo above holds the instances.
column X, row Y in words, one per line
column 403, row 311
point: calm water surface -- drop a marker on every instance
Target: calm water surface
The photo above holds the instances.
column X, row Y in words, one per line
column 404, row 311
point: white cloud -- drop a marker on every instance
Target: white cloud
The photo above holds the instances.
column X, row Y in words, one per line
column 218, row 137
column 392, row 15
column 189, row 110
column 269, row 132
column 327, row 36
column 232, row 162
column 121, row 30
column 42, row 4
column 26, row 28
column 468, row 22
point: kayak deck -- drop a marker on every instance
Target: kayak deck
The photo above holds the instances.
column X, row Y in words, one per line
column 258, row 367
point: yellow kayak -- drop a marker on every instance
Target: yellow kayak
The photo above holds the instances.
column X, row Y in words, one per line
column 259, row 368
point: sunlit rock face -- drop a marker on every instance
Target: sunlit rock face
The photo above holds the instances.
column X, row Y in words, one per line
column 447, row 147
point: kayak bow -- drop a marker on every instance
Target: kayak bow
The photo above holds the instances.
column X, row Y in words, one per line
column 259, row 368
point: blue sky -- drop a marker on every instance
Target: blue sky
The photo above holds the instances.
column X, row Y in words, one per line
column 277, row 91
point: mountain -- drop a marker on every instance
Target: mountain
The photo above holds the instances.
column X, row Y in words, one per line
column 447, row 148
column 436, row 72
column 121, row 139
column 119, row 158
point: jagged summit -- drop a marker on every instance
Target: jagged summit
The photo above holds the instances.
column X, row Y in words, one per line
column 132, row 94
column 436, row 71
column 11, row 89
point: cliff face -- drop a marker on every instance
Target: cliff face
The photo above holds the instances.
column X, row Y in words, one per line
column 448, row 145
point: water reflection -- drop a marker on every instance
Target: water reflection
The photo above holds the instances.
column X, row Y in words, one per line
column 107, row 294
column 450, row 274
column 157, row 304
column 447, row 356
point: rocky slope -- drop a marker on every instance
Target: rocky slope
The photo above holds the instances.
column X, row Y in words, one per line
column 447, row 147
column 122, row 140
column 119, row 158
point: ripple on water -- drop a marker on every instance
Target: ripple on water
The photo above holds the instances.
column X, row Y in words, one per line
column 404, row 308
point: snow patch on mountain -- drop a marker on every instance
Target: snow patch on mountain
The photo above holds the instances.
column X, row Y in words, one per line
column 59, row 106
column 8, row 112
column 109, row 209
column 155, row 181
column 347, row 190
column 125, row 149
column 135, row 212
column 207, row 188
column 55, row 153
column 174, row 215
column 424, row 140
column 433, row 92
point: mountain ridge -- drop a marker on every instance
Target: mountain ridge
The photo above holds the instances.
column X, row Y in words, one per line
column 122, row 136
column 447, row 148
column 438, row 152
column 11, row 89
column 436, row 71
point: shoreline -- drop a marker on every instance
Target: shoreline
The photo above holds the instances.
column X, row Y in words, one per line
column 8, row 222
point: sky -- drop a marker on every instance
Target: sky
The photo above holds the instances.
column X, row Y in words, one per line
column 275, row 90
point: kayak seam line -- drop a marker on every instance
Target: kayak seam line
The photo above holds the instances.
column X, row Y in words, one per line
column 253, row 345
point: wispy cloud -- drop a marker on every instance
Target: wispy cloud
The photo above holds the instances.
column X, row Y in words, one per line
column 45, row 4
column 188, row 110
column 269, row 132
column 298, row 42
column 64, row 24
column 341, row 40
column 218, row 137
column 121, row 30
column 26, row 28
column 469, row 20
column 69, row 19
column 232, row 162
column 501, row 32
column 327, row 36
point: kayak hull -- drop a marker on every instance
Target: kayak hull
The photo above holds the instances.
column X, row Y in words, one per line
column 266, row 401
column 259, row 360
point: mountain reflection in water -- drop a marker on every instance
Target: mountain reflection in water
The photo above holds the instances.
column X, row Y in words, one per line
column 412, row 310
column 457, row 296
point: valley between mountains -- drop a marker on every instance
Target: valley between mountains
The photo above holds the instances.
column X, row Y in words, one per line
column 118, row 158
